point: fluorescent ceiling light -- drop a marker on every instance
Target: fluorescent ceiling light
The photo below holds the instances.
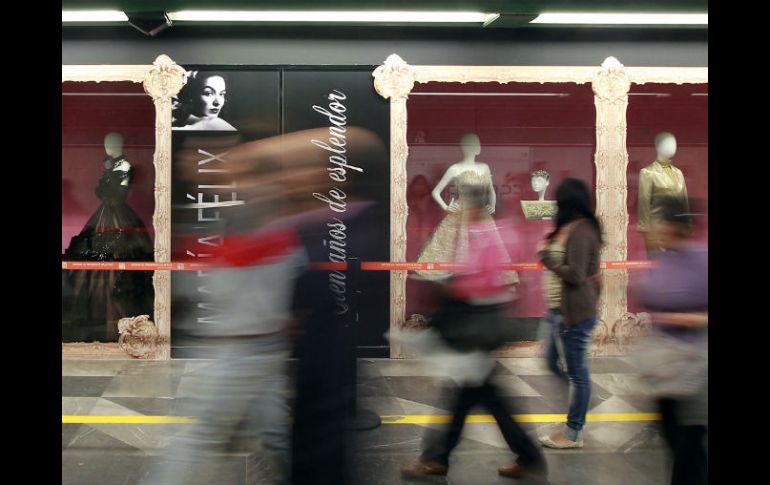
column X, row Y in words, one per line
column 93, row 16
column 622, row 18
column 329, row 16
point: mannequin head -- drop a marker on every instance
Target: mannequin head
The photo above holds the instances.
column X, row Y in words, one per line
column 470, row 144
column 540, row 180
column 665, row 145
column 113, row 144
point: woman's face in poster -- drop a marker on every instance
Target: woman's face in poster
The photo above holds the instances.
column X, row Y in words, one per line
column 209, row 102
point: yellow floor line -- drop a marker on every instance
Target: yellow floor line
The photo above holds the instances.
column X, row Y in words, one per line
column 394, row 419
column 125, row 420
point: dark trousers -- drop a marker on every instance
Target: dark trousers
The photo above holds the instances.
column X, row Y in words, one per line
column 687, row 444
column 487, row 396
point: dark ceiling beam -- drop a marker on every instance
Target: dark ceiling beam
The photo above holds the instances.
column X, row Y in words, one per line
column 492, row 6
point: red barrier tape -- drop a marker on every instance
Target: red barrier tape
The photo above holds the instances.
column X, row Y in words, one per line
column 367, row 266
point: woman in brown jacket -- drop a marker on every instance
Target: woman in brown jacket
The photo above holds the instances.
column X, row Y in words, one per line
column 579, row 232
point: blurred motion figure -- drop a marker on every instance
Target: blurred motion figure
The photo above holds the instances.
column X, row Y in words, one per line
column 673, row 358
column 471, row 325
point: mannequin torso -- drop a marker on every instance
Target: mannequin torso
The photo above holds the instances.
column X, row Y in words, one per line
column 471, row 148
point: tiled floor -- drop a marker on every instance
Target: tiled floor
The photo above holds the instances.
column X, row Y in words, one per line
column 627, row 453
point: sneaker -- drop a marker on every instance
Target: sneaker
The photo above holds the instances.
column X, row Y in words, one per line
column 421, row 468
column 559, row 441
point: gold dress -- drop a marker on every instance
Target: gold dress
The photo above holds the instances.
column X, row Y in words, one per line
column 449, row 242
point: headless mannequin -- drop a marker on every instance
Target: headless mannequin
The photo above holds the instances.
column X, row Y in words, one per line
column 113, row 146
column 471, row 146
column 659, row 178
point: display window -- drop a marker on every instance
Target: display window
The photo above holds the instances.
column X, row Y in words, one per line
column 108, row 141
column 521, row 139
column 668, row 155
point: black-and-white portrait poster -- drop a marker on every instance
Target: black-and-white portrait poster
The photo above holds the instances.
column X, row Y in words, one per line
column 323, row 124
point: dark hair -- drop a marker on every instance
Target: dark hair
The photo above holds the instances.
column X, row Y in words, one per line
column 573, row 201
column 195, row 82
column 540, row 173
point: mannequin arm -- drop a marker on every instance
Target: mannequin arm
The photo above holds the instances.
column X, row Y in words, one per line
column 492, row 194
column 448, row 176
column 684, row 192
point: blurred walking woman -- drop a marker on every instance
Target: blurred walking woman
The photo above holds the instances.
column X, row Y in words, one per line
column 579, row 232
column 673, row 358
column 471, row 323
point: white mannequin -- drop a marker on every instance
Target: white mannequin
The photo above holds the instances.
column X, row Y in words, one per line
column 113, row 146
column 665, row 145
column 659, row 178
column 471, row 146
column 540, row 179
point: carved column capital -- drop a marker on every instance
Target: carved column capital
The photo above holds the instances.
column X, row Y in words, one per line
column 394, row 79
column 165, row 79
column 611, row 84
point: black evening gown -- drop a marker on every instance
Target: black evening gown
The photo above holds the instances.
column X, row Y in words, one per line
column 94, row 301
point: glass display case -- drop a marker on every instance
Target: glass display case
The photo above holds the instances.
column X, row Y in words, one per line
column 115, row 236
column 667, row 154
column 519, row 136
column 534, row 126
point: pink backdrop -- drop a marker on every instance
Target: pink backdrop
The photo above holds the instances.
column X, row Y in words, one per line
column 547, row 127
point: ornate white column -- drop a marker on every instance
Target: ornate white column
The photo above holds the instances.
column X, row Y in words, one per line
column 394, row 80
column 163, row 81
column 611, row 87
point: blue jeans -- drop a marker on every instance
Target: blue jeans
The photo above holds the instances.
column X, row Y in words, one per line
column 239, row 400
column 554, row 350
column 575, row 340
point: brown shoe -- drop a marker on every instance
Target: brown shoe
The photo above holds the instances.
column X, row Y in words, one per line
column 517, row 470
column 421, row 468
